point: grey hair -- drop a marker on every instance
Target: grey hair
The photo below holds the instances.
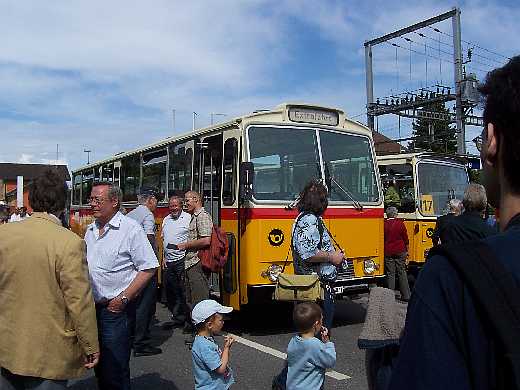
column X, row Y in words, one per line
column 178, row 197
column 114, row 192
column 454, row 206
column 475, row 198
column 391, row 212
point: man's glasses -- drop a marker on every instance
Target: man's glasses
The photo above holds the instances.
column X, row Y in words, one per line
column 96, row 200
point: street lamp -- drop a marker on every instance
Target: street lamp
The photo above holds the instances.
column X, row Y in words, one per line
column 213, row 114
column 88, row 155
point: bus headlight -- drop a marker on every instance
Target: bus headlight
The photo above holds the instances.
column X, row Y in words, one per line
column 369, row 266
column 272, row 272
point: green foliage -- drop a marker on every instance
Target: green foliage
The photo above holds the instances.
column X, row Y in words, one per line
column 475, row 176
column 434, row 135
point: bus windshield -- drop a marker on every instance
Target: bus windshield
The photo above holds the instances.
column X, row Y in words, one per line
column 438, row 183
column 285, row 159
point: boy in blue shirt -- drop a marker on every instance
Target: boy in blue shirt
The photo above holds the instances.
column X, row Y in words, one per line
column 210, row 364
column 307, row 356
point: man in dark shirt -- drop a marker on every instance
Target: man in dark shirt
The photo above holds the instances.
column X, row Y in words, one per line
column 442, row 320
column 454, row 210
column 471, row 224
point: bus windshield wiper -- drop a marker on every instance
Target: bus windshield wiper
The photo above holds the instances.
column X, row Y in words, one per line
column 332, row 180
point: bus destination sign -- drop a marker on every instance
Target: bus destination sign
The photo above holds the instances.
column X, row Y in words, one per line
column 308, row 115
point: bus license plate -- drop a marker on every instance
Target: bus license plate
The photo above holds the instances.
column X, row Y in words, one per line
column 339, row 289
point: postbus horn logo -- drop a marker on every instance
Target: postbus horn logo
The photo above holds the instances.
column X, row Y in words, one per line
column 275, row 237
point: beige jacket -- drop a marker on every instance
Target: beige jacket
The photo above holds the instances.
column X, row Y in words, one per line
column 47, row 314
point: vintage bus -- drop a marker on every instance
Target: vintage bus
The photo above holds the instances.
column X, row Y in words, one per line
column 424, row 183
column 250, row 170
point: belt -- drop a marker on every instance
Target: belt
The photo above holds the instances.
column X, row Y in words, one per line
column 103, row 303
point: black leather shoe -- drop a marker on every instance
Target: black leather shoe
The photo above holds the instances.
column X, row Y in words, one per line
column 147, row 351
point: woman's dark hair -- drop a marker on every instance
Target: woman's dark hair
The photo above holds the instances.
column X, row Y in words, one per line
column 501, row 94
column 48, row 192
column 313, row 198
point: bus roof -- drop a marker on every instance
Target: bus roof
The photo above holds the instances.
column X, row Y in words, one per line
column 283, row 109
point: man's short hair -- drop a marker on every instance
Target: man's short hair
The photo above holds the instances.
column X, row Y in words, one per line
column 475, row 198
column 391, row 212
column 501, row 96
column 305, row 315
column 114, row 192
column 48, row 192
column 193, row 194
column 178, row 197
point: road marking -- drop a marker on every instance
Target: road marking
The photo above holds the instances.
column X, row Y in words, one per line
column 274, row 352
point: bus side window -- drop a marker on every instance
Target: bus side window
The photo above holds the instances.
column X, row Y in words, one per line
column 76, row 194
column 154, row 171
column 180, row 169
column 130, row 177
column 230, row 174
column 87, row 179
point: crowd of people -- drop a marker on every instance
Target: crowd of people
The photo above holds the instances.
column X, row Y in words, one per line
column 19, row 213
column 87, row 303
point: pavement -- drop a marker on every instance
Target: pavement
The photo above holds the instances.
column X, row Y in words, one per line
column 262, row 334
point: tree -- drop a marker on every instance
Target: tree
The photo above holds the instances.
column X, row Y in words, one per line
column 432, row 134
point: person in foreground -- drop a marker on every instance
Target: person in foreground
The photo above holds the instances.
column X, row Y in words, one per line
column 210, row 364
column 447, row 343
column 48, row 331
column 307, row 356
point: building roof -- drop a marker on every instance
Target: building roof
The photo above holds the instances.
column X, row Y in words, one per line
column 385, row 145
column 9, row 171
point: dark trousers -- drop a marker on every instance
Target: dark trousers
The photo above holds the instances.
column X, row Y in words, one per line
column 175, row 279
column 10, row 381
column 329, row 306
column 144, row 313
column 113, row 370
column 395, row 266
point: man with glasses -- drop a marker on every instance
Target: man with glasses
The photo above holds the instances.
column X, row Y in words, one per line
column 145, row 303
column 199, row 237
column 121, row 263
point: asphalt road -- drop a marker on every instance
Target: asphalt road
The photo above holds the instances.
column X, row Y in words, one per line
column 263, row 334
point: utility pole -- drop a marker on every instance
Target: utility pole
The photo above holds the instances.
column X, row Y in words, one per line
column 194, row 115
column 457, row 59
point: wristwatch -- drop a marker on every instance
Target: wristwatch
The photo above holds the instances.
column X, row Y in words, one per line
column 124, row 300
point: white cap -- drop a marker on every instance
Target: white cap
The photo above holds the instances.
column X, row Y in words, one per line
column 206, row 308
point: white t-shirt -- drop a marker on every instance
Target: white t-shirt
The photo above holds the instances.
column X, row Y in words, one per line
column 175, row 231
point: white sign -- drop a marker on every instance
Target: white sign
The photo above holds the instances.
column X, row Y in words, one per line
column 310, row 115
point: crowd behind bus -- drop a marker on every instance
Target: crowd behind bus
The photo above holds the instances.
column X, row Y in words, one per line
column 82, row 313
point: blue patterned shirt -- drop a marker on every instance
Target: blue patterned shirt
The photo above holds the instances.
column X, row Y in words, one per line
column 306, row 238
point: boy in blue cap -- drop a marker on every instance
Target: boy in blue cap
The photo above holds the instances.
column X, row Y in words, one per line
column 210, row 364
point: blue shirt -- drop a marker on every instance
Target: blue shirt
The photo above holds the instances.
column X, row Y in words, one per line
column 115, row 257
column 144, row 217
column 306, row 238
column 307, row 360
column 442, row 312
column 206, row 358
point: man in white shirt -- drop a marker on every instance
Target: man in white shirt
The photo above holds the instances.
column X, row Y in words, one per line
column 145, row 303
column 175, row 229
column 121, row 262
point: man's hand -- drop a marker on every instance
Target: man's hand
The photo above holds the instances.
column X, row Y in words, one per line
column 91, row 360
column 228, row 341
column 336, row 257
column 182, row 246
column 163, row 265
column 116, row 305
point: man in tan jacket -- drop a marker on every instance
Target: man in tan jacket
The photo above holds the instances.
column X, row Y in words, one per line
column 48, row 331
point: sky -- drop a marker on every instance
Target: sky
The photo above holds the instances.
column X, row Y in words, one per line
column 108, row 76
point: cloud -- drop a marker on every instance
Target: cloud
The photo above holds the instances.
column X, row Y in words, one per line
column 26, row 158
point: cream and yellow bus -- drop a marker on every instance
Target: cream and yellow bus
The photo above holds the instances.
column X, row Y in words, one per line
column 250, row 170
column 424, row 183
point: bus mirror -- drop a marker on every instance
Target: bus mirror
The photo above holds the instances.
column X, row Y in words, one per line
column 246, row 180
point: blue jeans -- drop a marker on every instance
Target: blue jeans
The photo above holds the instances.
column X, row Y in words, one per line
column 113, row 370
column 329, row 306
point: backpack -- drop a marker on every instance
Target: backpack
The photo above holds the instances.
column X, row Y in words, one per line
column 214, row 257
column 496, row 297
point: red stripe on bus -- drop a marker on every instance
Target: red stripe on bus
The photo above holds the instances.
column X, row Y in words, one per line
column 280, row 213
